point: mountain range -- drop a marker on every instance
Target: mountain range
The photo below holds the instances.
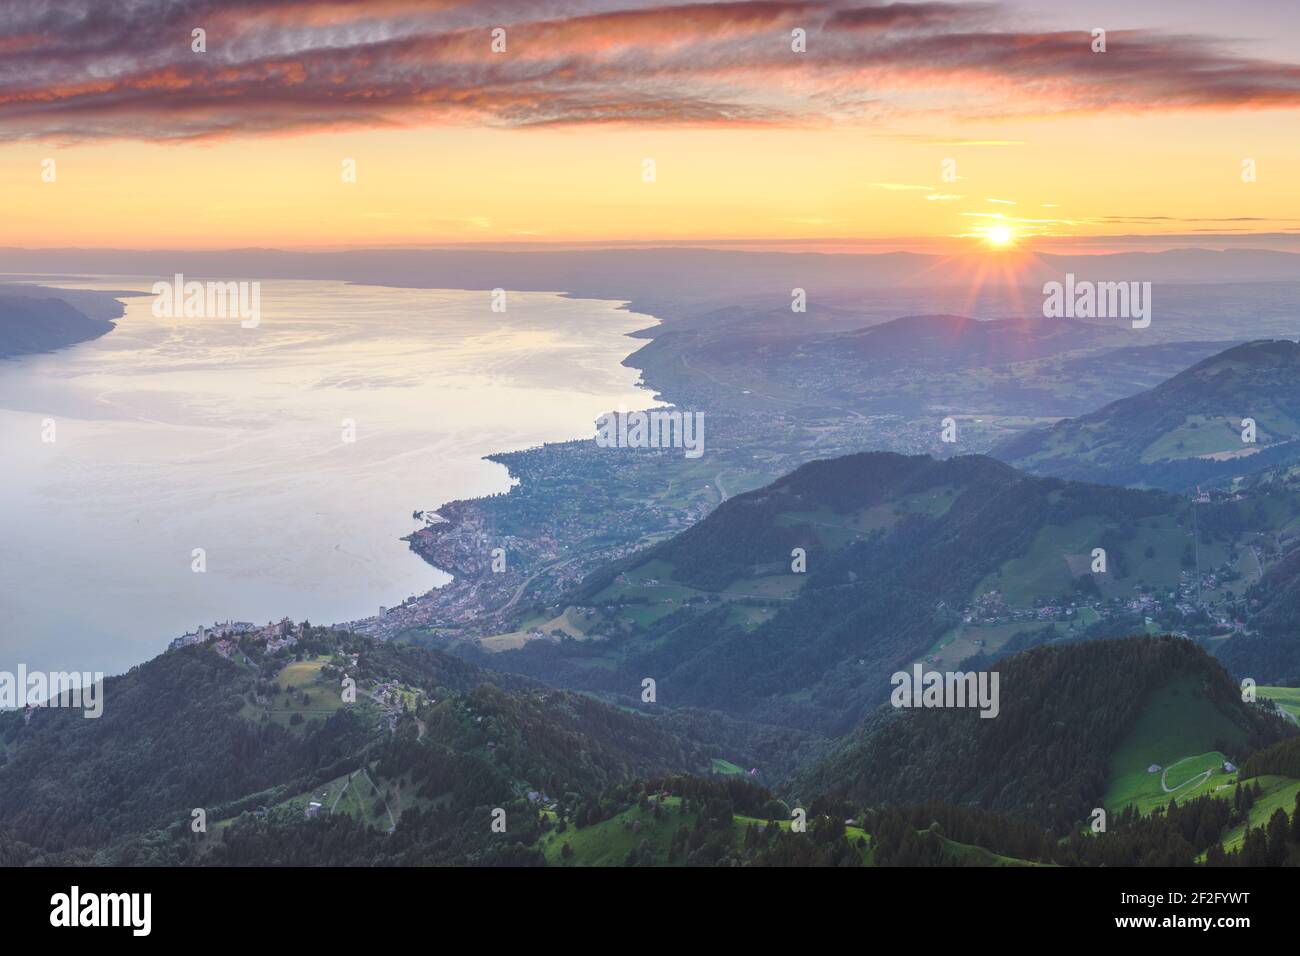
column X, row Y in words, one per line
column 792, row 604
column 260, row 758
column 689, row 702
column 1191, row 429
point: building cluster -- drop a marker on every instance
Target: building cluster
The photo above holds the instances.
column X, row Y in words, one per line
column 276, row 634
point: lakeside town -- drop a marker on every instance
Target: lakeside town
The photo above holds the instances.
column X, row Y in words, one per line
column 576, row 506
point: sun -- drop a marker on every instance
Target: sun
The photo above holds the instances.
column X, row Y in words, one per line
column 1000, row 236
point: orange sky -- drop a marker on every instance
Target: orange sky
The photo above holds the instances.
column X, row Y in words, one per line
column 827, row 151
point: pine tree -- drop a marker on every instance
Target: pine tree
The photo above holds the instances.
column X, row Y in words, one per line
column 1254, row 849
column 1277, row 834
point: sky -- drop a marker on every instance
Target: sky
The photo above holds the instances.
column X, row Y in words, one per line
column 830, row 123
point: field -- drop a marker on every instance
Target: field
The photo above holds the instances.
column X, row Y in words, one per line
column 1198, row 435
column 1060, row 553
column 647, row 593
column 959, row 643
column 609, row 842
column 301, row 695
column 1288, row 698
column 778, row 586
column 1279, row 792
column 351, row 794
column 303, row 691
column 575, row 622
column 978, row 856
column 837, row 530
column 1177, row 731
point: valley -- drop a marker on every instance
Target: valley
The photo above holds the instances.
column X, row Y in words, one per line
column 764, row 594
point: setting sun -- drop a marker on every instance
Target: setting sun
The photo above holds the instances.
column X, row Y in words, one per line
column 1000, row 235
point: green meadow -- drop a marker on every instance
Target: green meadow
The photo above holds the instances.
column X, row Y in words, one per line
column 1177, row 730
column 1279, row 793
column 1288, row 698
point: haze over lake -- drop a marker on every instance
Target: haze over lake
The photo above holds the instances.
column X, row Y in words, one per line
column 176, row 434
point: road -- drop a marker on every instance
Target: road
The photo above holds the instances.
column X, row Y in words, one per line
column 339, row 796
column 722, row 492
column 1199, row 779
column 387, row 809
column 519, row 592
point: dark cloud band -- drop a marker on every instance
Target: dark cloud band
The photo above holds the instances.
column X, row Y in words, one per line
column 115, row 69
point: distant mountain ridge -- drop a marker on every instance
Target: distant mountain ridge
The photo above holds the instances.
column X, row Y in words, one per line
column 894, row 547
column 30, row 324
column 1185, row 431
column 947, row 341
column 636, row 270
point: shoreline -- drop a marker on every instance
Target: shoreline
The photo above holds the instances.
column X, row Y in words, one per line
column 453, row 544
column 39, row 319
column 444, row 543
column 607, row 322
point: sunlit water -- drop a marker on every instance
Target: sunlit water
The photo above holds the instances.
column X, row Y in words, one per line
column 176, row 434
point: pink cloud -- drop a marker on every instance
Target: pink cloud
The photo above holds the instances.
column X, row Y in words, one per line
column 105, row 68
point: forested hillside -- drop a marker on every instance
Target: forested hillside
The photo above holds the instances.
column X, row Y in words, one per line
column 897, row 553
column 1047, row 757
column 193, row 729
column 1185, row 431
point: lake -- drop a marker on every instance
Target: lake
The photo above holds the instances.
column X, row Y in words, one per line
column 172, row 434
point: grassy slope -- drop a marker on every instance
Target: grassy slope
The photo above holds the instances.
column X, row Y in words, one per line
column 1288, row 698
column 1060, row 553
column 608, row 842
column 1174, row 721
column 1196, row 413
column 1178, row 730
column 296, row 679
column 750, row 598
column 1278, row 792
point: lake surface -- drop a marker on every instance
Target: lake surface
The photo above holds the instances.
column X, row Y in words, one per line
column 176, row 434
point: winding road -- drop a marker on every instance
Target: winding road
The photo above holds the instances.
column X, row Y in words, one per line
column 1198, row 779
